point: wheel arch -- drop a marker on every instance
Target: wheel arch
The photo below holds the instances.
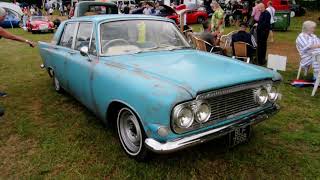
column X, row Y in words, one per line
column 112, row 115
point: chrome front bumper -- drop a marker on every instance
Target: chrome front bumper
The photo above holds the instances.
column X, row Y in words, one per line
column 172, row 146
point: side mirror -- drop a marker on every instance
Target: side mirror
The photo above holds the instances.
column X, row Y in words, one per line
column 84, row 51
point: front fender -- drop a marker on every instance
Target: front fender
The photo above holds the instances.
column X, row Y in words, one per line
column 152, row 98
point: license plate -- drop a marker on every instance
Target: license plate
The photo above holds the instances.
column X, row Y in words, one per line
column 43, row 27
column 239, row 135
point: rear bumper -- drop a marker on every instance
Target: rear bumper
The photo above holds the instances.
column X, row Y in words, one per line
column 172, row 146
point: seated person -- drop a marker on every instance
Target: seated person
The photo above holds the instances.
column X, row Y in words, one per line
column 243, row 36
column 207, row 35
column 308, row 44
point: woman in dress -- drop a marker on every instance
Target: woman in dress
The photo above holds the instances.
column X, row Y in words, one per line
column 308, row 44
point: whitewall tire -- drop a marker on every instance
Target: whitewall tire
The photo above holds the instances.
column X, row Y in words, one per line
column 131, row 134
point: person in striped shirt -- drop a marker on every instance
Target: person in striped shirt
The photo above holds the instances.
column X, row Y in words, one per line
column 308, row 44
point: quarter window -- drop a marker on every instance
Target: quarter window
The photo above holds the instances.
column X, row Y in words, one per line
column 67, row 36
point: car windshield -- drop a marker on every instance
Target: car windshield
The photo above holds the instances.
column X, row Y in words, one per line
column 38, row 18
column 135, row 36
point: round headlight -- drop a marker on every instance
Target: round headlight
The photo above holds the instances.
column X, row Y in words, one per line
column 261, row 96
column 184, row 118
column 203, row 113
column 273, row 93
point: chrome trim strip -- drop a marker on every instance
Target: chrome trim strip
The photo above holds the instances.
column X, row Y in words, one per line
column 175, row 145
column 232, row 89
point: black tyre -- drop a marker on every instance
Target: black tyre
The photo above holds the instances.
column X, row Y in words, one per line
column 200, row 20
column 131, row 135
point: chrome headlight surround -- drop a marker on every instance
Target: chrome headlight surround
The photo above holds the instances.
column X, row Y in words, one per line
column 274, row 92
column 183, row 117
column 261, row 96
column 267, row 93
column 203, row 112
column 197, row 111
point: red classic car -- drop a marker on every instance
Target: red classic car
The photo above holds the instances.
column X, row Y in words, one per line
column 193, row 16
column 196, row 16
column 40, row 24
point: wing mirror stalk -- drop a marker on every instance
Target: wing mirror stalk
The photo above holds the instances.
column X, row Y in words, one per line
column 84, row 51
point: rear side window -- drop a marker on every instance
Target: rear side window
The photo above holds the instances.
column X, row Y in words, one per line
column 67, row 36
column 84, row 35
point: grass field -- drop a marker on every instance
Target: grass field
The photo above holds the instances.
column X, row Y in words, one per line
column 50, row 135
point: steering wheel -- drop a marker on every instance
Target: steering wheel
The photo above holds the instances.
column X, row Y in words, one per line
column 114, row 41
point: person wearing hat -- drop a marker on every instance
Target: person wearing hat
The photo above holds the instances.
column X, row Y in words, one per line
column 7, row 35
column 243, row 36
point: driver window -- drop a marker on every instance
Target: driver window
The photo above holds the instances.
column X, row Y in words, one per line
column 84, row 35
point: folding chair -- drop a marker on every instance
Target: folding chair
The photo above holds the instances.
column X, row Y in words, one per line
column 316, row 84
column 240, row 51
column 299, row 72
column 227, row 39
column 300, row 67
column 192, row 39
column 202, row 45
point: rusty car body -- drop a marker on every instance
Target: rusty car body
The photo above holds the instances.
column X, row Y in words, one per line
column 139, row 74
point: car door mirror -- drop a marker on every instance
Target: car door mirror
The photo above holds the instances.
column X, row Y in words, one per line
column 84, row 50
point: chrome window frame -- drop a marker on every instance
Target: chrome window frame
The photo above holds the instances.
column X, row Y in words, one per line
column 92, row 29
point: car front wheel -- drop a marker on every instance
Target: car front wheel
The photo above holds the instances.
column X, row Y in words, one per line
column 200, row 20
column 131, row 134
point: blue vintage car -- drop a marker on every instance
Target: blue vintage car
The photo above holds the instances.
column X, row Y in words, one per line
column 139, row 75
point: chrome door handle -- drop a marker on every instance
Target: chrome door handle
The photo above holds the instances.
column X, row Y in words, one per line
column 71, row 52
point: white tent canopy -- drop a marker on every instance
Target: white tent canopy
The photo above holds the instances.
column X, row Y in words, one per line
column 12, row 7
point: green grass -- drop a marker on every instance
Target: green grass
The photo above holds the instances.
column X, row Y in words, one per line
column 50, row 135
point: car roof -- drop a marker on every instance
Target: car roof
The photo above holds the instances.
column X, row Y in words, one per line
column 115, row 17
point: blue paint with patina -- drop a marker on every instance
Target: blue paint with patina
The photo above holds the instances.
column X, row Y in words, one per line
column 150, row 83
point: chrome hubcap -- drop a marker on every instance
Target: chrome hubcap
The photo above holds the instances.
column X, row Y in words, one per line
column 129, row 131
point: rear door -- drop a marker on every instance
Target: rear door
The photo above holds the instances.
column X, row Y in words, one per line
column 62, row 52
column 57, row 54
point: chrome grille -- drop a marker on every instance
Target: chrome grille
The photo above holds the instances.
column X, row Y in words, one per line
column 226, row 105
